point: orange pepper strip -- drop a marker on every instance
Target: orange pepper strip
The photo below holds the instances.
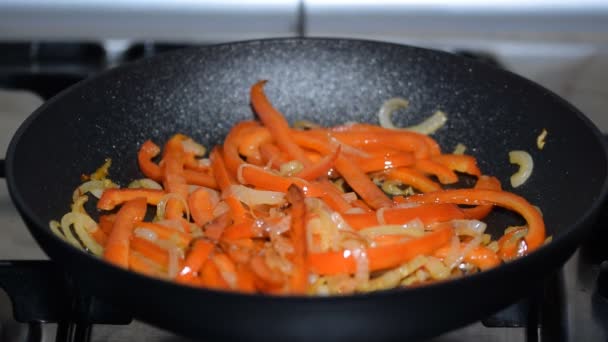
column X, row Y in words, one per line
column 272, row 154
column 174, row 181
column 276, row 123
column 362, row 184
column 381, row 257
column 147, row 151
column 427, row 213
column 318, row 141
column 100, row 236
column 536, row 226
column 201, row 178
column 165, row 233
column 480, row 256
column 481, row 211
column 333, row 197
column 250, row 141
column 191, row 162
column 443, row 173
column 200, row 206
column 298, row 280
column 459, row 162
column 106, row 222
column 140, row 264
column 238, row 212
column 262, row 179
column 211, row 276
column 433, row 146
column 245, row 279
column 215, row 228
column 110, row 198
column 266, row 277
column 321, row 168
column 507, row 245
column 385, row 162
column 414, row 178
column 117, row 247
column 222, row 177
column 362, row 205
column 227, row 268
column 240, row 230
column 232, row 158
column 199, row 253
column 150, row 250
column 402, row 141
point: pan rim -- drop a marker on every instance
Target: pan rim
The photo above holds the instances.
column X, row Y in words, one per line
column 573, row 231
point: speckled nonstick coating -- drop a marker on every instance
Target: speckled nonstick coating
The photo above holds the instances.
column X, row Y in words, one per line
column 203, row 91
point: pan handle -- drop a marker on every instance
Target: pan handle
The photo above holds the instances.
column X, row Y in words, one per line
column 42, row 291
column 2, row 170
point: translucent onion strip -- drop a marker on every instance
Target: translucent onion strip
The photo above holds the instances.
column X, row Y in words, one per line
column 540, row 140
column 82, row 225
column 459, row 149
column 95, row 187
column 414, row 228
column 162, row 204
column 428, row 126
column 526, row 164
column 253, row 197
column 145, row 183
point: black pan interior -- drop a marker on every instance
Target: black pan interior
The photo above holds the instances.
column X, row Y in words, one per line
column 202, row 92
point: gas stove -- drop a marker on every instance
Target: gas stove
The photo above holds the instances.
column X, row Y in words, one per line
column 571, row 306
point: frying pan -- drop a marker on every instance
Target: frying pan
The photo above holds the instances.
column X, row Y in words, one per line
column 203, row 91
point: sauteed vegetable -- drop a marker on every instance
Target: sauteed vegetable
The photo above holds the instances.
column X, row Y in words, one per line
column 304, row 210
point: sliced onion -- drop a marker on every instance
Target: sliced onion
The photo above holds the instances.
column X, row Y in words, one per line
column 350, row 196
column 174, row 256
column 145, row 233
column 56, row 229
column 540, row 140
column 274, row 260
column 94, row 187
column 281, row 245
column 407, row 205
column 191, row 146
column 355, row 210
column 362, row 263
column 83, row 225
column 380, row 216
column 526, row 164
column 162, row 204
column 469, row 227
column 102, row 172
column 393, row 187
column 347, row 149
column 291, row 168
column 388, row 107
column 220, row 209
column 339, row 221
column 322, row 225
column 414, row 228
column 437, row 269
column 428, row 126
column 145, row 183
column 253, row 197
column 204, row 162
column 173, row 224
column 459, row 149
column 78, row 205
